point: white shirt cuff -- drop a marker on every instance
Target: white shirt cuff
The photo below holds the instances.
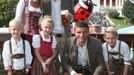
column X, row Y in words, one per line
column 72, row 72
column 127, row 63
column 6, row 68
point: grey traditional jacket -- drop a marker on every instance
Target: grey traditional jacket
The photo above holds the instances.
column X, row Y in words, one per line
column 69, row 55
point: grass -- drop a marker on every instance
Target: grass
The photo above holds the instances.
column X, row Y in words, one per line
column 120, row 22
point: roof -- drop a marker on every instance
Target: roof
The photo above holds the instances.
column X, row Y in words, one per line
column 127, row 30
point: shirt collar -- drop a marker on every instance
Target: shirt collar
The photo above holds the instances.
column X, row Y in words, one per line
column 116, row 46
column 14, row 42
column 45, row 39
column 85, row 46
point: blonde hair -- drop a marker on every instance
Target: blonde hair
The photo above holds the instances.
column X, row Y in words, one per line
column 16, row 23
column 47, row 19
column 112, row 30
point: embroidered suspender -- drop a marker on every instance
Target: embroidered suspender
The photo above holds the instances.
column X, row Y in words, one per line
column 10, row 45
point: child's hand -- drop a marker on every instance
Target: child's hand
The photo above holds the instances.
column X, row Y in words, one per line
column 9, row 72
column 45, row 67
column 27, row 71
column 110, row 57
column 28, row 66
column 48, row 61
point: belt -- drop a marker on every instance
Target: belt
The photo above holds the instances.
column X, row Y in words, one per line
column 19, row 70
column 82, row 69
column 18, row 56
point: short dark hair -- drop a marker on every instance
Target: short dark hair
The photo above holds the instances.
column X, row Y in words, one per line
column 82, row 23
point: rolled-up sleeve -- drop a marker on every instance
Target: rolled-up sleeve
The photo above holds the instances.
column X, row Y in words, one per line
column 105, row 53
column 126, row 53
column 36, row 41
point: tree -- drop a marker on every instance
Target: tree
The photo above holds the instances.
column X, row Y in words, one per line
column 7, row 11
column 113, row 14
column 128, row 10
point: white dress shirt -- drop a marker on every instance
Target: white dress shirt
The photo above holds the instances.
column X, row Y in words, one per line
column 82, row 55
column 83, row 58
column 36, row 41
column 124, row 50
column 18, row 64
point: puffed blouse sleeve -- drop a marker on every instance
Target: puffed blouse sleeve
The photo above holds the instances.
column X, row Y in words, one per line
column 54, row 43
column 36, row 41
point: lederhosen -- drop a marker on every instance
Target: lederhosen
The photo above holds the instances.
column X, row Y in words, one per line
column 116, row 65
column 18, row 56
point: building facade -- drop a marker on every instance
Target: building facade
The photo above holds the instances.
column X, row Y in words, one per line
column 111, row 4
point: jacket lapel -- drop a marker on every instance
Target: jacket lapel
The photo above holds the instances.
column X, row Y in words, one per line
column 89, row 49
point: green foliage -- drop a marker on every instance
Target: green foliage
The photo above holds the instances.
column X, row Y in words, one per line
column 7, row 11
column 113, row 14
column 128, row 11
column 120, row 22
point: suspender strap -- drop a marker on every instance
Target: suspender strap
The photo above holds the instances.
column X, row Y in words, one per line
column 10, row 45
column 107, row 51
column 24, row 53
column 120, row 51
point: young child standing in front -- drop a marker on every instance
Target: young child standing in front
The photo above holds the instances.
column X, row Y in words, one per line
column 44, row 45
column 16, row 51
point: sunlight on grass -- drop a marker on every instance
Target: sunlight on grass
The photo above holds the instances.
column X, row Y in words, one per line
column 120, row 22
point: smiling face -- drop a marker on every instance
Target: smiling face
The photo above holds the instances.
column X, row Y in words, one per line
column 110, row 39
column 16, row 28
column 81, row 34
column 111, row 35
column 16, row 31
column 47, row 28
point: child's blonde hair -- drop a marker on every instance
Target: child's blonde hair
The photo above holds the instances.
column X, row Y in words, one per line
column 16, row 23
column 112, row 30
column 47, row 19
